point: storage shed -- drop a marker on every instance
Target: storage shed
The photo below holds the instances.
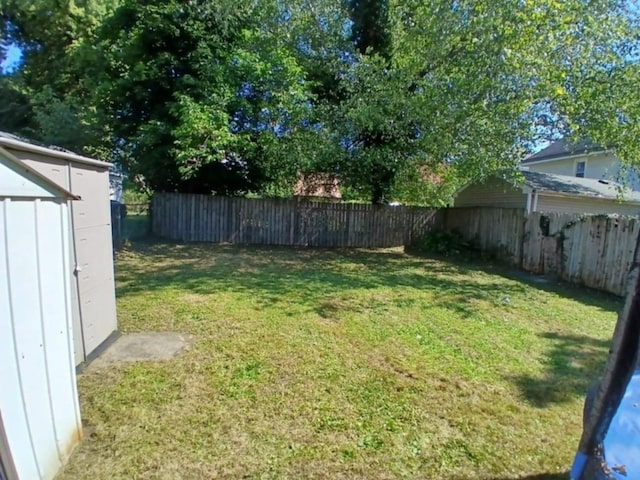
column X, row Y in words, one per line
column 93, row 302
column 39, row 410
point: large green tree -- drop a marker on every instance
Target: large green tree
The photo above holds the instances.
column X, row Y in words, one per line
column 460, row 89
column 200, row 98
column 401, row 99
column 51, row 93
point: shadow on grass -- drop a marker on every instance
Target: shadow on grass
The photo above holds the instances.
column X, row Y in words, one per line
column 605, row 301
column 324, row 281
column 573, row 364
column 313, row 277
column 307, row 275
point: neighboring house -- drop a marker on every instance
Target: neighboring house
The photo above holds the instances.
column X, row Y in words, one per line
column 583, row 160
column 544, row 192
column 318, row 186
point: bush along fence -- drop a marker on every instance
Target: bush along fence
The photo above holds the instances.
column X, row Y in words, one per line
column 204, row 218
column 591, row 250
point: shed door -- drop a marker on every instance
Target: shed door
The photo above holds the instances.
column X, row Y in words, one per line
column 94, row 254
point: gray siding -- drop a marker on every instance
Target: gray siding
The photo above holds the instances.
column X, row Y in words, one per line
column 599, row 165
column 495, row 193
column 548, row 203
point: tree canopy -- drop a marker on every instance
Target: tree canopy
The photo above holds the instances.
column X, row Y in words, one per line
column 399, row 99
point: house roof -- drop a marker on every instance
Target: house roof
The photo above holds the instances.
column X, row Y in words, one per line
column 563, row 148
column 318, row 185
column 579, row 187
column 18, row 143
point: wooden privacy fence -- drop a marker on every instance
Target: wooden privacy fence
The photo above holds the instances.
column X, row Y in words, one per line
column 591, row 250
column 495, row 230
column 204, row 218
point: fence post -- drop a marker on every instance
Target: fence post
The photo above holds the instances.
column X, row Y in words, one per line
column 118, row 214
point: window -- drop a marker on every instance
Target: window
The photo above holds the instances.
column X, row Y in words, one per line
column 580, row 168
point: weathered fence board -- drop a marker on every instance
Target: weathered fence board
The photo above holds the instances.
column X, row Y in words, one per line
column 496, row 230
column 591, row 250
column 203, row 218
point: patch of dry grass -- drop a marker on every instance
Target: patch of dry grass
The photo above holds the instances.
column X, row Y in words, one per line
column 341, row 364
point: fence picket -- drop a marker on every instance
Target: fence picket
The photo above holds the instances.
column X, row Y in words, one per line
column 186, row 217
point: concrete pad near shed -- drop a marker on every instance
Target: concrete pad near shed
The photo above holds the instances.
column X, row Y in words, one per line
column 143, row 347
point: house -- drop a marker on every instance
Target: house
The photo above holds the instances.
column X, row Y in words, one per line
column 93, row 303
column 317, row 186
column 545, row 192
column 582, row 159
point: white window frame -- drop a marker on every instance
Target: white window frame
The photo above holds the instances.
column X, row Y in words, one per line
column 584, row 169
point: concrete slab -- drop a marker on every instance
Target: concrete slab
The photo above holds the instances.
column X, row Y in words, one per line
column 143, row 346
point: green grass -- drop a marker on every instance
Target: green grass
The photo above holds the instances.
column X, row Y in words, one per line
column 342, row 364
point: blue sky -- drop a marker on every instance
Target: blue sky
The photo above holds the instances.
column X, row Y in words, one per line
column 14, row 55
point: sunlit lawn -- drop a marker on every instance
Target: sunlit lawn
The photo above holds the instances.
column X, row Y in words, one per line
column 341, row 364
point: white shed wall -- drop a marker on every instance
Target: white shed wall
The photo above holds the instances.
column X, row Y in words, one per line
column 38, row 395
column 93, row 298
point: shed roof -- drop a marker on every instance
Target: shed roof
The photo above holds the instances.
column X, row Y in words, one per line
column 580, row 187
column 564, row 148
column 18, row 143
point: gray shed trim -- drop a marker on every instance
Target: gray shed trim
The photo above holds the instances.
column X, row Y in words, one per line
column 34, row 176
column 12, row 141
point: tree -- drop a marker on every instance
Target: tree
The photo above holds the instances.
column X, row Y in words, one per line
column 51, row 89
column 199, row 97
column 401, row 99
column 463, row 86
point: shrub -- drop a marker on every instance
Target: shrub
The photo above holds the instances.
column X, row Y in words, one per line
column 448, row 243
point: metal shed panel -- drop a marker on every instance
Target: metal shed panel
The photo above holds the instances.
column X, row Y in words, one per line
column 94, row 317
column 94, row 254
column 95, row 281
column 92, row 185
column 54, row 168
column 95, row 264
column 13, row 182
column 38, row 397
column 13, row 412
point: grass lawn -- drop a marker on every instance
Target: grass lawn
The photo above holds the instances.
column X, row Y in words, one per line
column 341, row 365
